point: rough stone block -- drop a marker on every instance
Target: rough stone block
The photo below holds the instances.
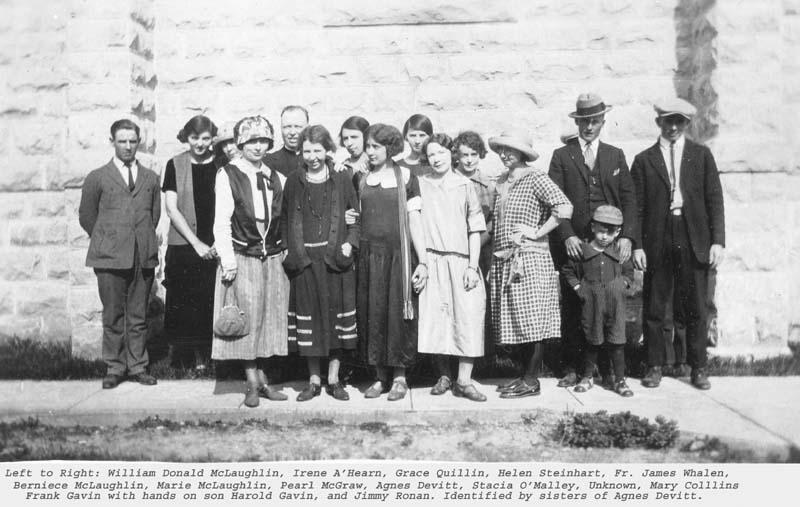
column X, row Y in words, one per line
column 42, row 73
column 391, row 98
column 79, row 273
column 98, row 9
column 58, row 265
column 557, row 66
column 95, row 67
column 478, row 96
column 383, row 40
column 6, row 299
column 91, row 97
column 381, row 70
column 482, row 67
column 36, row 43
column 775, row 187
column 22, row 264
column 414, row 12
column 14, row 205
column 748, row 250
column 736, row 188
column 622, row 64
column 87, row 340
column 41, row 138
column 25, row 233
column 734, row 153
column 20, row 327
column 41, row 298
column 47, row 204
column 91, row 35
column 337, row 99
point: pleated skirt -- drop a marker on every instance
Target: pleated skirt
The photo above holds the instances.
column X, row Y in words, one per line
column 322, row 308
column 262, row 291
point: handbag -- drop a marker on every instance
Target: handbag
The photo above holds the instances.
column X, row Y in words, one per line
column 231, row 322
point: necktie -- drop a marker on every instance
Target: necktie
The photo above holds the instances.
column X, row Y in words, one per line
column 263, row 183
column 588, row 156
column 131, row 183
column 672, row 171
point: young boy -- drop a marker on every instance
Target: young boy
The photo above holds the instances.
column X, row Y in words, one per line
column 600, row 282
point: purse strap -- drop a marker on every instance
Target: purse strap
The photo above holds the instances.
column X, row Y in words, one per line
column 225, row 287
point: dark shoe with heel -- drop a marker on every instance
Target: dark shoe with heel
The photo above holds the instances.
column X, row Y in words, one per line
column 584, row 385
column 311, row 391
column 653, row 377
column 251, row 396
column 622, row 389
column 265, row 391
column 568, row 380
column 337, row 391
column 375, row 390
column 523, row 390
column 442, row 386
column 144, row 379
column 398, row 391
column 510, row 386
column 469, row 392
column 111, row 381
column 700, row 379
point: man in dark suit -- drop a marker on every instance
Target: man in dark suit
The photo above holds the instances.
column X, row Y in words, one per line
column 682, row 215
column 287, row 158
column 591, row 174
column 120, row 208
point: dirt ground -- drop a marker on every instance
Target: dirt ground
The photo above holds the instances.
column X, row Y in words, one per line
column 532, row 439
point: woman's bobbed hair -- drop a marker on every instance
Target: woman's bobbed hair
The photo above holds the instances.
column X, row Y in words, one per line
column 471, row 139
column 355, row 123
column 197, row 125
column 388, row 136
column 418, row 122
column 319, row 135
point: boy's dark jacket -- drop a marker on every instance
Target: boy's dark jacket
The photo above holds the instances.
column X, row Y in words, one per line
column 587, row 270
column 342, row 198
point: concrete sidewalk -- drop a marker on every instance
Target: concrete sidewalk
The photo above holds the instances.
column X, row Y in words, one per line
column 759, row 412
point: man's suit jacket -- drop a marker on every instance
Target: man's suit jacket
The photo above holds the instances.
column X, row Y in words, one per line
column 703, row 208
column 569, row 171
column 116, row 218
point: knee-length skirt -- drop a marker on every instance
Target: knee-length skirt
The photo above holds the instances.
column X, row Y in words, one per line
column 386, row 339
column 262, row 291
column 526, row 309
column 451, row 318
column 322, row 308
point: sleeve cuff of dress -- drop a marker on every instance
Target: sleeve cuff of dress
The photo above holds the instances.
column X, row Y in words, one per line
column 476, row 223
column 414, row 204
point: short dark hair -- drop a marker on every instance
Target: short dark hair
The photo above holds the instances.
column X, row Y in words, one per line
column 418, row 122
column 124, row 124
column 472, row 140
column 317, row 134
column 355, row 123
column 442, row 140
column 293, row 107
column 197, row 125
column 388, row 136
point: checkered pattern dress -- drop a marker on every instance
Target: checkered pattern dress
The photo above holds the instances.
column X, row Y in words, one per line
column 526, row 310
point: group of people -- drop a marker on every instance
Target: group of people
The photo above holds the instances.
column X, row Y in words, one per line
column 394, row 252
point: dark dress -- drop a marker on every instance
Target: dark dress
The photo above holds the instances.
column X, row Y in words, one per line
column 387, row 340
column 189, row 280
column 322, row 301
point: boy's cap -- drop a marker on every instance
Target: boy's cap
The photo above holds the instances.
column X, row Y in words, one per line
column 607, row 215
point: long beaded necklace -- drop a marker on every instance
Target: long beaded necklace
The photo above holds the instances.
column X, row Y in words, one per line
column 318, row 214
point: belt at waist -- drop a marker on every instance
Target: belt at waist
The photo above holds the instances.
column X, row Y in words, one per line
column 314, row 245
column 447, row 252
column 676, row 212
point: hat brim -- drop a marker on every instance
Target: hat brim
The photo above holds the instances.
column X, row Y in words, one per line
column 511, row 142
column 576, row 114
column 218, row 140
column 663, row 114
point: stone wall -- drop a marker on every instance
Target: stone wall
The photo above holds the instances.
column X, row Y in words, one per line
column 69, row 69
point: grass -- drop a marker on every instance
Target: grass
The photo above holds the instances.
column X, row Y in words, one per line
column 28, row 359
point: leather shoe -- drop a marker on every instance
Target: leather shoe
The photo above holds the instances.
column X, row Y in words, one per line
column 265, row 391
column 622, row 389
column 523, row 390
column 442, row 385
column 251, row 396
column 568, row 380
column 398, row 391
column 309, row 392
column 144, row 379
column 700, row 379
column 337, row 391
column 653, row 377
column 510, row 386
column 469, row 392
column 584, row 385
column 111, row 381
column 375, row 390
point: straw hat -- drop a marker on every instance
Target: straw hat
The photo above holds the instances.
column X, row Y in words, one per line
column 588, row 105
column 224, row 133
column 516, row 139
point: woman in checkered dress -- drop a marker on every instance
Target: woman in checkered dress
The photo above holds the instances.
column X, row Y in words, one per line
column 524, row 282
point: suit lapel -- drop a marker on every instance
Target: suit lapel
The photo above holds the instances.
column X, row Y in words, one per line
column 575, row 154
column 115, row 175
column 686, row 161
column 603, row 163
column 660, row 166
column 139, row 183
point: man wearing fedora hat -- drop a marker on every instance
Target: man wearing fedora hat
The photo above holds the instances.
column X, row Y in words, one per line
column 592, row 174
column 682, row 215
